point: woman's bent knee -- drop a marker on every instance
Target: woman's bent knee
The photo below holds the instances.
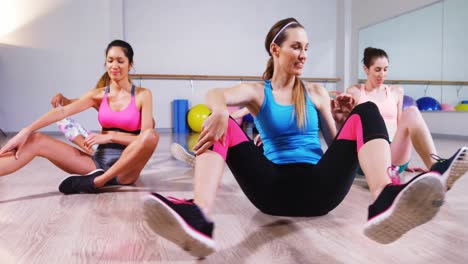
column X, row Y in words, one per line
column 150, row 137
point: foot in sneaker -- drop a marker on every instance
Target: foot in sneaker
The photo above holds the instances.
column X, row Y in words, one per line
column 80, row 183
column 179, row 153
column 400, row 208
column 180, row 221
column 453, row 168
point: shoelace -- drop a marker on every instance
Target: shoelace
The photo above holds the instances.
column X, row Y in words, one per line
column 180, row 201
column 395, row 176
column 437, row 158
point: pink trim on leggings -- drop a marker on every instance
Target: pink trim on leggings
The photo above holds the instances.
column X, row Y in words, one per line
column 234, row 136
column 352, row 130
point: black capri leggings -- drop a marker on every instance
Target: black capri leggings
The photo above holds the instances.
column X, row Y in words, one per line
column 302, row 189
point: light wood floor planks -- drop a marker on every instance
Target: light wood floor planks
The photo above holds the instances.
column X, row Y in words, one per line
column 40, row 225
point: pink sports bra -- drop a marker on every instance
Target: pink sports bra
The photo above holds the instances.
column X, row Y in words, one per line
column 388, row 108
column 128, row 120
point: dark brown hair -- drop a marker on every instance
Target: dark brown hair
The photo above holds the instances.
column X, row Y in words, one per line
column 371, row 54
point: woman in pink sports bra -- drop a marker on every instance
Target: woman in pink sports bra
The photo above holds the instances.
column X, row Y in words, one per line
column 405, row 128
column 126, row 142
column 74, row 131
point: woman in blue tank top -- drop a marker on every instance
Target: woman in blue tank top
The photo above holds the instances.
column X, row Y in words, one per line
column 293, row 177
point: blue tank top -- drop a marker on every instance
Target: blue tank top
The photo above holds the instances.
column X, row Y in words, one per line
column 283, row 141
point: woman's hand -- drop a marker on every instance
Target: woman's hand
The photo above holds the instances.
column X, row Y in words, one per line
column 214, row 129
column 16, row 143
column 59, row 99
column 98, row 139
column 341, row 107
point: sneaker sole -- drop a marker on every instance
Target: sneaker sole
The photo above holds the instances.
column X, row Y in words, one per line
column 457, row 169
column 167, row 223
column 418, row 203
column 179, row 153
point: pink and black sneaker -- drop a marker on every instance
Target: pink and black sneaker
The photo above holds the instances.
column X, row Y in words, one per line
column 453, row 168
column 180, row 221
column 402, row 207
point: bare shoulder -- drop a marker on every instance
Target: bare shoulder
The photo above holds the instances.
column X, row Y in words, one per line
column 100, row 88
column 141, row 91
column 353, row 88
column 316, row 89
column 396, row 89
column 318, row 94
column 143, row 95
column 354, row 91
column 252, row 85
column 97, row 92
column 253, row 88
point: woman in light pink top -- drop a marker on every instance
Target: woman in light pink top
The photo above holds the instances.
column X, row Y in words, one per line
column 405, row 128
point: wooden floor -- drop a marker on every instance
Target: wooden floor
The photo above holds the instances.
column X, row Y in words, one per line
column 40, row 225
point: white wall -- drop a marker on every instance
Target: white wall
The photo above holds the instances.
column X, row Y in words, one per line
column 413, row 42
column 223, row 37
column 392, row 25
column 60, row 46
column 455, row 52
column 60, row 49
column 455, row 41
column 447, row 123
column 368, row 12
column 425, row 44
column 343, row 43
column 220, row 38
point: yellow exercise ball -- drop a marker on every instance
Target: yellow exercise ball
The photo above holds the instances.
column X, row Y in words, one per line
column 196, row 116
column 192, row 141
column 462, row 107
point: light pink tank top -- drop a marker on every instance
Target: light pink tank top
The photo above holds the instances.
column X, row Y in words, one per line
column 388, row 108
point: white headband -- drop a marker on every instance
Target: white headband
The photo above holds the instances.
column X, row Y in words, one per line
column 281, row 30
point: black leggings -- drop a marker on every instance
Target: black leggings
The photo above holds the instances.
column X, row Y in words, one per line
column 302, row 189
